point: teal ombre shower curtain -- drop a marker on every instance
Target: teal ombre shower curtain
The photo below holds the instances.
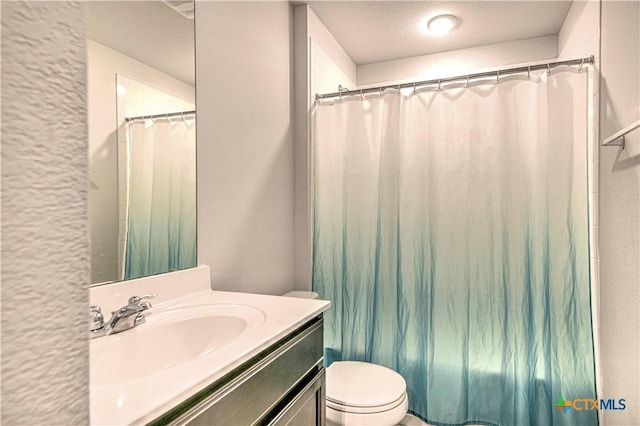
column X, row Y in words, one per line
column 161, row 224
column 451, row 235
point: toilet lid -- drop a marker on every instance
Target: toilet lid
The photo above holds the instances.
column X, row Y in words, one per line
column 362, row 384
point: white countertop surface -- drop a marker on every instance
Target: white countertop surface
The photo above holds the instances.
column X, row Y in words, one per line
column 142, row 400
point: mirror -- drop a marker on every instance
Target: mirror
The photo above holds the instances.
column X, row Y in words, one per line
column 141, row 99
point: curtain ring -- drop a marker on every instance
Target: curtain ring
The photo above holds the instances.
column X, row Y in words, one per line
column 380, row 89
column 529, row 72
column 398, row 88
column 467, row 81
column 414, row 88
column 549, row 69
column 340, row 95
column 581, row 64
column 361, row 95
column 438, row 84
column 498, row 76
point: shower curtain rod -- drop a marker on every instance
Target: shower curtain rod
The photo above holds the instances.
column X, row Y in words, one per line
column 166, row 115
column 467, row 77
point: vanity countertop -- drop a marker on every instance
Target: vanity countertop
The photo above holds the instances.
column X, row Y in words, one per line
column 143, row 399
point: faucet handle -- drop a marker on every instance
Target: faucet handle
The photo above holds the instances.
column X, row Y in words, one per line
column 96, row 320
column 134, row 300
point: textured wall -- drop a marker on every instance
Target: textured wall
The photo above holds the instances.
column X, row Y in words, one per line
column 321, row 64
column 45, row 248
column 245, row 145
column 580, row 37
column 458, row 62
column 620, row 210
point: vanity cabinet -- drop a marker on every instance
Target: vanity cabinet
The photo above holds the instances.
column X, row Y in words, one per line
column 282, row 385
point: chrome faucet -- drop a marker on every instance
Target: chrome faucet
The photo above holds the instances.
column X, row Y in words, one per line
column 96, row 321
column 125, row 318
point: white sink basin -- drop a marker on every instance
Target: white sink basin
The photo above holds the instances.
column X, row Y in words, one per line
column 169, row 339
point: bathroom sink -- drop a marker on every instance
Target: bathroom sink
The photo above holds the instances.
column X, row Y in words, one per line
column 193, row 332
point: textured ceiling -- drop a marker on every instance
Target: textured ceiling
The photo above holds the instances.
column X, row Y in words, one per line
column 375, row 31
column 149, row 31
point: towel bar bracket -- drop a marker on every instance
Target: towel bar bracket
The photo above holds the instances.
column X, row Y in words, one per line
column 615, row 142
column 617, row 139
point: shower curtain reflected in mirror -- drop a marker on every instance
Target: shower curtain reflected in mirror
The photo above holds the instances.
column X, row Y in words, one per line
column 451, row 235
column 161, row 223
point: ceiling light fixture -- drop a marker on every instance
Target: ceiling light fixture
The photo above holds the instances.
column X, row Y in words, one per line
column 441, row 24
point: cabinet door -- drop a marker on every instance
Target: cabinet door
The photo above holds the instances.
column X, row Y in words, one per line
column 259, row 391
column 307, row 408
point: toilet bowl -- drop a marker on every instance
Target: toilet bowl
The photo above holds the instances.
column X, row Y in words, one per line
column 364, row 394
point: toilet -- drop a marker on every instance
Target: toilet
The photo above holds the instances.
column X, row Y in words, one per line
column 364, row 394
